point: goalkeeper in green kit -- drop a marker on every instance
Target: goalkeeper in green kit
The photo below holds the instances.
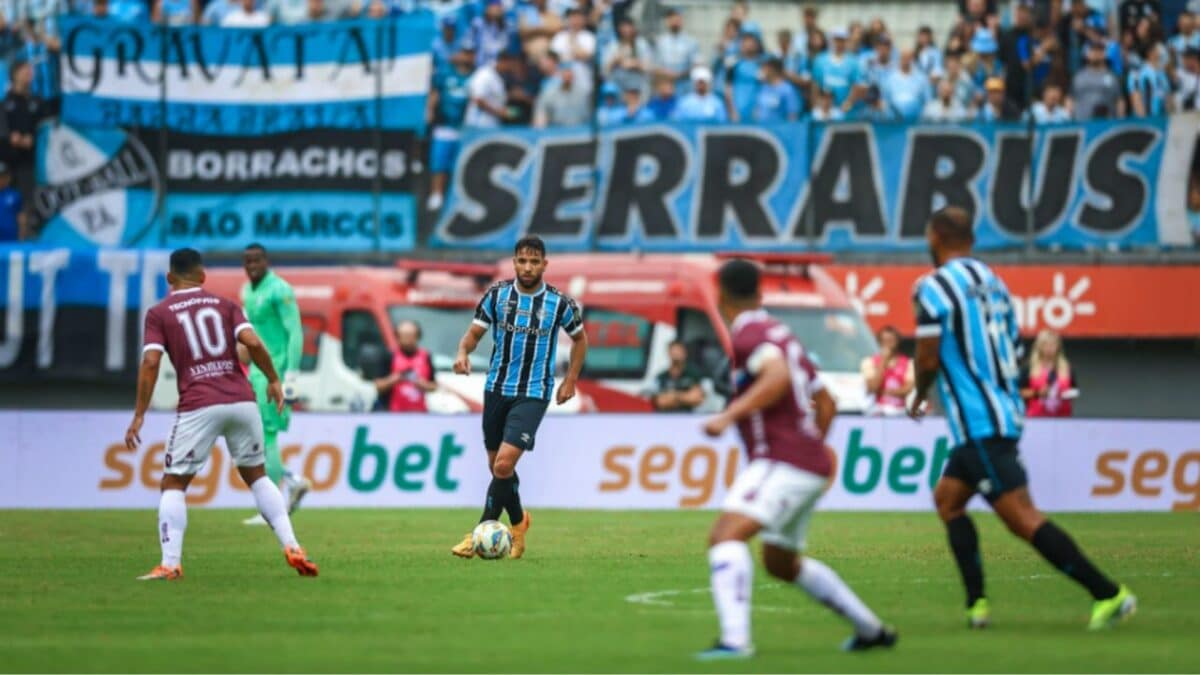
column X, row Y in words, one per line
column 270, row 304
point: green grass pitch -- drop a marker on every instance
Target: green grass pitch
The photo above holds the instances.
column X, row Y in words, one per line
column 597, row 592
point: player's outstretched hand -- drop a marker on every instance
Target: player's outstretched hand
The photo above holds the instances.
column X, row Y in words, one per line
column 275, row 395
column 716, row 425
column 462, row 364
column 566, row 391
column 132, row 436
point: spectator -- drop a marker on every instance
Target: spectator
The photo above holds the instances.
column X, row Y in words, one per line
column 965, row 90
column 679, row 388
column 1130, row 12
column 445, row 45
column 488, row 106
column 447, row 103
column 1148, row 38
column 905, row 90
column 976, row 16
column 627, row 61
column 576, row 43
column 412, row 375
column 808, row 27
column 174, row 12
column 837, row 71
column 675, row 51
column 1187, row 81
column 743, row 79
column 125, row 11
column 22, row 113
column 1078, row 28
column 817, row 45
column 795, row 61
column 876, row 31
column 492, row 34
column 12, row 215
column 1051, row 109
column 318, row 10
column 997, row 106
column 1095, row 90
column 945, row 108
column 1048, row 387
column 1193, row 207
column 246, row 15
column 662, row 104
column 727, row 48
column 777, row 100
column 1186, row 36
column 878, row 63
column 701, row 104
column 825, row 110
column 378, row 9
column 564, row 102
column 930, row 59
column 214, row 12
column 634, row 110
column 290, row 11
column 1018, row 54
column 888, row 375
column 987, row 63
column 537, row 24
column 856, row 42
column 611, row 111
column 1149, row 86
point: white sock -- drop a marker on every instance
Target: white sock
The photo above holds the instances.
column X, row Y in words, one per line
column 172, row 521
column 273, row 510
column 824, row 585
column 732, row 573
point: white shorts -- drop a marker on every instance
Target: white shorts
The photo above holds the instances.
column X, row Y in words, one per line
column 780, row 497
column 196, row 431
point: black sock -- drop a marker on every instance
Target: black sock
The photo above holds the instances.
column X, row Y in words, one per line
column 1060, row 550
column 964, row 542
column 497, row 499
column 515, row 512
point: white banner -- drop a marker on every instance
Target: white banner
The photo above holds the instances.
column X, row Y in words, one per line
column 68, row 459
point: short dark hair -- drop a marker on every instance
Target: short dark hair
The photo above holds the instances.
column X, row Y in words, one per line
column 531, row 243
column 739, row 279
column 888, row 329
column 677, row 342
column 185, row 261
column 953, row 224
column 256, row 247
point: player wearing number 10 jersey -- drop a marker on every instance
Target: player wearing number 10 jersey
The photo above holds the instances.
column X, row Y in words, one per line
column 966, row 342
column 200, row 332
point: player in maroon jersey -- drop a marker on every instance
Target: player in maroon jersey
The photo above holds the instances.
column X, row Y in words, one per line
column 783, row 413
column 200, row 332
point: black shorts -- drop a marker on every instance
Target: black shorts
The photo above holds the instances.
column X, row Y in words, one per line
column 990, row 465
column 511, row 419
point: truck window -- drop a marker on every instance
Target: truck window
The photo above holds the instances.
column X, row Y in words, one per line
column 314, row 326
column 618, row 344
column 360, row 330
column 705, row 352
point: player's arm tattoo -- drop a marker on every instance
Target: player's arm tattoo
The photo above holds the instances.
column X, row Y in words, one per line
column 147, row 378
column 927, row 363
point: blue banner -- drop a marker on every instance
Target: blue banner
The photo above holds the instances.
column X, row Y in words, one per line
column 319, row 190
column 805, row 186
column 248, row 81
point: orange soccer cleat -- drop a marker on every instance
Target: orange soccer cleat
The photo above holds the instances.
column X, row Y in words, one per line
column 518, row 536
column 163, row 573
column 298, row 559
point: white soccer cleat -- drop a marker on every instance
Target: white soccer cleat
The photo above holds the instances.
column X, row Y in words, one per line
column 297, row 488
column 256, row 519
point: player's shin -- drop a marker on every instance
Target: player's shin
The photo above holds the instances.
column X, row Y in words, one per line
column 172, row 521
column 499, row 493
column 273, row 510
column 1060, row 550
column 826, row 587
column 964, row 543
column 732, row 573
column 516, row 513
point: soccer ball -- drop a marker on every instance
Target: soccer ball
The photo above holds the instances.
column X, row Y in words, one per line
column 491, row 540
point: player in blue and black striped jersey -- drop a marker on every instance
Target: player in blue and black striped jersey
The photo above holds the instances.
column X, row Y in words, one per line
column 967, row 343
column 524, row 315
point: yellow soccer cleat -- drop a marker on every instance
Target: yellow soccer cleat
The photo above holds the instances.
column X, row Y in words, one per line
column 1107, row 613
column 163, row 573
column 518, row 536
column 464, row 548
column 979, row 615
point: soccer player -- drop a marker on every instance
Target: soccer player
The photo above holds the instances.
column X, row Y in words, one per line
column 524, row 315
column 198, row 331
column 271, row 306
column 783, row 412
column 966, row 341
